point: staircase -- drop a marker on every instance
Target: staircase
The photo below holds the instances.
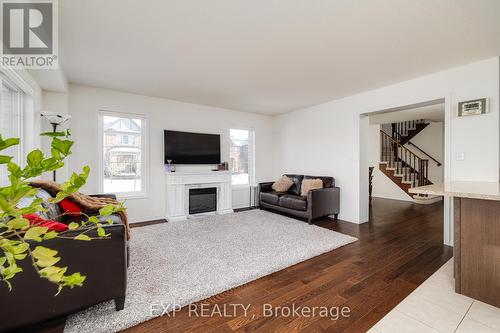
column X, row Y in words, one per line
column 404, row 131
column 405, row 168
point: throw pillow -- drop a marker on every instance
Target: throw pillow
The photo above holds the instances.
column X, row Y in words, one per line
column 310, row 184
column 70, row 208
column 282, row 184
column 41, row 222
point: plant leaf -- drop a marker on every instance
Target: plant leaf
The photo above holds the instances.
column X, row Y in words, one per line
column 93, row 219
column 73, row 226
column 83, row 237
column 101, row 232
column 5, row 159
column 53, row 134
column 18, row 223
column 107, row 210
column 4, row 144
column 50, row 235
column 34, row 159
column 45, row 257
column 35, row 233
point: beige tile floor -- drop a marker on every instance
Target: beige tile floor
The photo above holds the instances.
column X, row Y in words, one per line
column 435, row 307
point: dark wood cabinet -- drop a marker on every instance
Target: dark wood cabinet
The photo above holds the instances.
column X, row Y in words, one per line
column 477, row 249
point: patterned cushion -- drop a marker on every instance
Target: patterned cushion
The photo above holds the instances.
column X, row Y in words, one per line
column 310, row 184
column 282, row 184
column 53, row 212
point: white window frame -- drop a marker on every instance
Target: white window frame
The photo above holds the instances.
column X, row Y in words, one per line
column 144, row 152
column 251, row 162
column 28, row 138
column 4, row 79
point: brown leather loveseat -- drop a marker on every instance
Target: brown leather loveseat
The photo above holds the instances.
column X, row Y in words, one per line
column 317, row 203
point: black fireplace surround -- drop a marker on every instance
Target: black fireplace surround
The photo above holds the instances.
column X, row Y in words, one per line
column 202, row 200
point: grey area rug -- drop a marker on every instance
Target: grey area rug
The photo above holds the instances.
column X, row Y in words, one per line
column 185, row 262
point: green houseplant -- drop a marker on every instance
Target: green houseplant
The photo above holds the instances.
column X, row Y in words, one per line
column 20, row 240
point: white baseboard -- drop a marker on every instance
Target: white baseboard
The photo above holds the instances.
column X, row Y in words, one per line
column 240, row 206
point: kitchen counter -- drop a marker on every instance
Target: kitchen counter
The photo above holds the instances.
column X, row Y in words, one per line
column 464, row 189
column 476, row 248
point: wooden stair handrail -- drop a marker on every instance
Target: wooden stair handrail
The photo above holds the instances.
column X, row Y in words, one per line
column 399, row 144
column 405, row 159
column 399, row 136
column 423, row 152
column 404, row 131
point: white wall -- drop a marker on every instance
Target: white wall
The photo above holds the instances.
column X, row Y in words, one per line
column 84, row 103
column 325, row 139
column 430, row 139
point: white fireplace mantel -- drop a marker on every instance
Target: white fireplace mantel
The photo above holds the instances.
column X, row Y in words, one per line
column 178, row 185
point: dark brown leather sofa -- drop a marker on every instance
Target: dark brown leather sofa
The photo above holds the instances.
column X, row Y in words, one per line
column 104, row 262
column 317, row 203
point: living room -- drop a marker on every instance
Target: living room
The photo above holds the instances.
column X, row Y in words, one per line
column 228, row 148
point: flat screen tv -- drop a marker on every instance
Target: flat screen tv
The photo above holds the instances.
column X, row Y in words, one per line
column 191, row 148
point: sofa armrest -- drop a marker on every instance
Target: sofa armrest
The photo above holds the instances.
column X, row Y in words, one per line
column 117, row 229
column 116, row 218
column 323, row 201
column 102, row 261
column 266, row 186
column 104, row 195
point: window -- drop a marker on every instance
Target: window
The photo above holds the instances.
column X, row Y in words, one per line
column 241, row 156
column 126, row 139
column 123, row 143
column 10, row 122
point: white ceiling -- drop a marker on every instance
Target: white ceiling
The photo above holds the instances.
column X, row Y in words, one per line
column 269, row 56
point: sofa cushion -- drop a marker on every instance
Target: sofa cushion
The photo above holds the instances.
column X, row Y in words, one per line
column 53, row 212
column 310, row 184
column 295, row 202
column 51, row 225
column 271, row 197
column 70, row 208
column 297, row 181
column 282, row 184
column 327, row 181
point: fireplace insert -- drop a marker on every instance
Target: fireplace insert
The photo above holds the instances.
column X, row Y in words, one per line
column 202, row 200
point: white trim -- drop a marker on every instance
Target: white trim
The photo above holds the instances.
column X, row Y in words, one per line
column 240, row 186
column 20, row 110
column 13, row 76
column 101, row 112
column 448, row 202
column 362, row 195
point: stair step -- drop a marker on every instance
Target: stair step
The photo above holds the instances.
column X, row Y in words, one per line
column 401, row 170
column 430, row 199
column 408, row 176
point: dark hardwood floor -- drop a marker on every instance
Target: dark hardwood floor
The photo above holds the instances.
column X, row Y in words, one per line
column 398, row 249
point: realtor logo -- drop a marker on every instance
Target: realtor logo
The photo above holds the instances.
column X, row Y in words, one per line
column 29, row 34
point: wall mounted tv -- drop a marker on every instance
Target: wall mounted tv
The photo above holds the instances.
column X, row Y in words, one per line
column 191, row 148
